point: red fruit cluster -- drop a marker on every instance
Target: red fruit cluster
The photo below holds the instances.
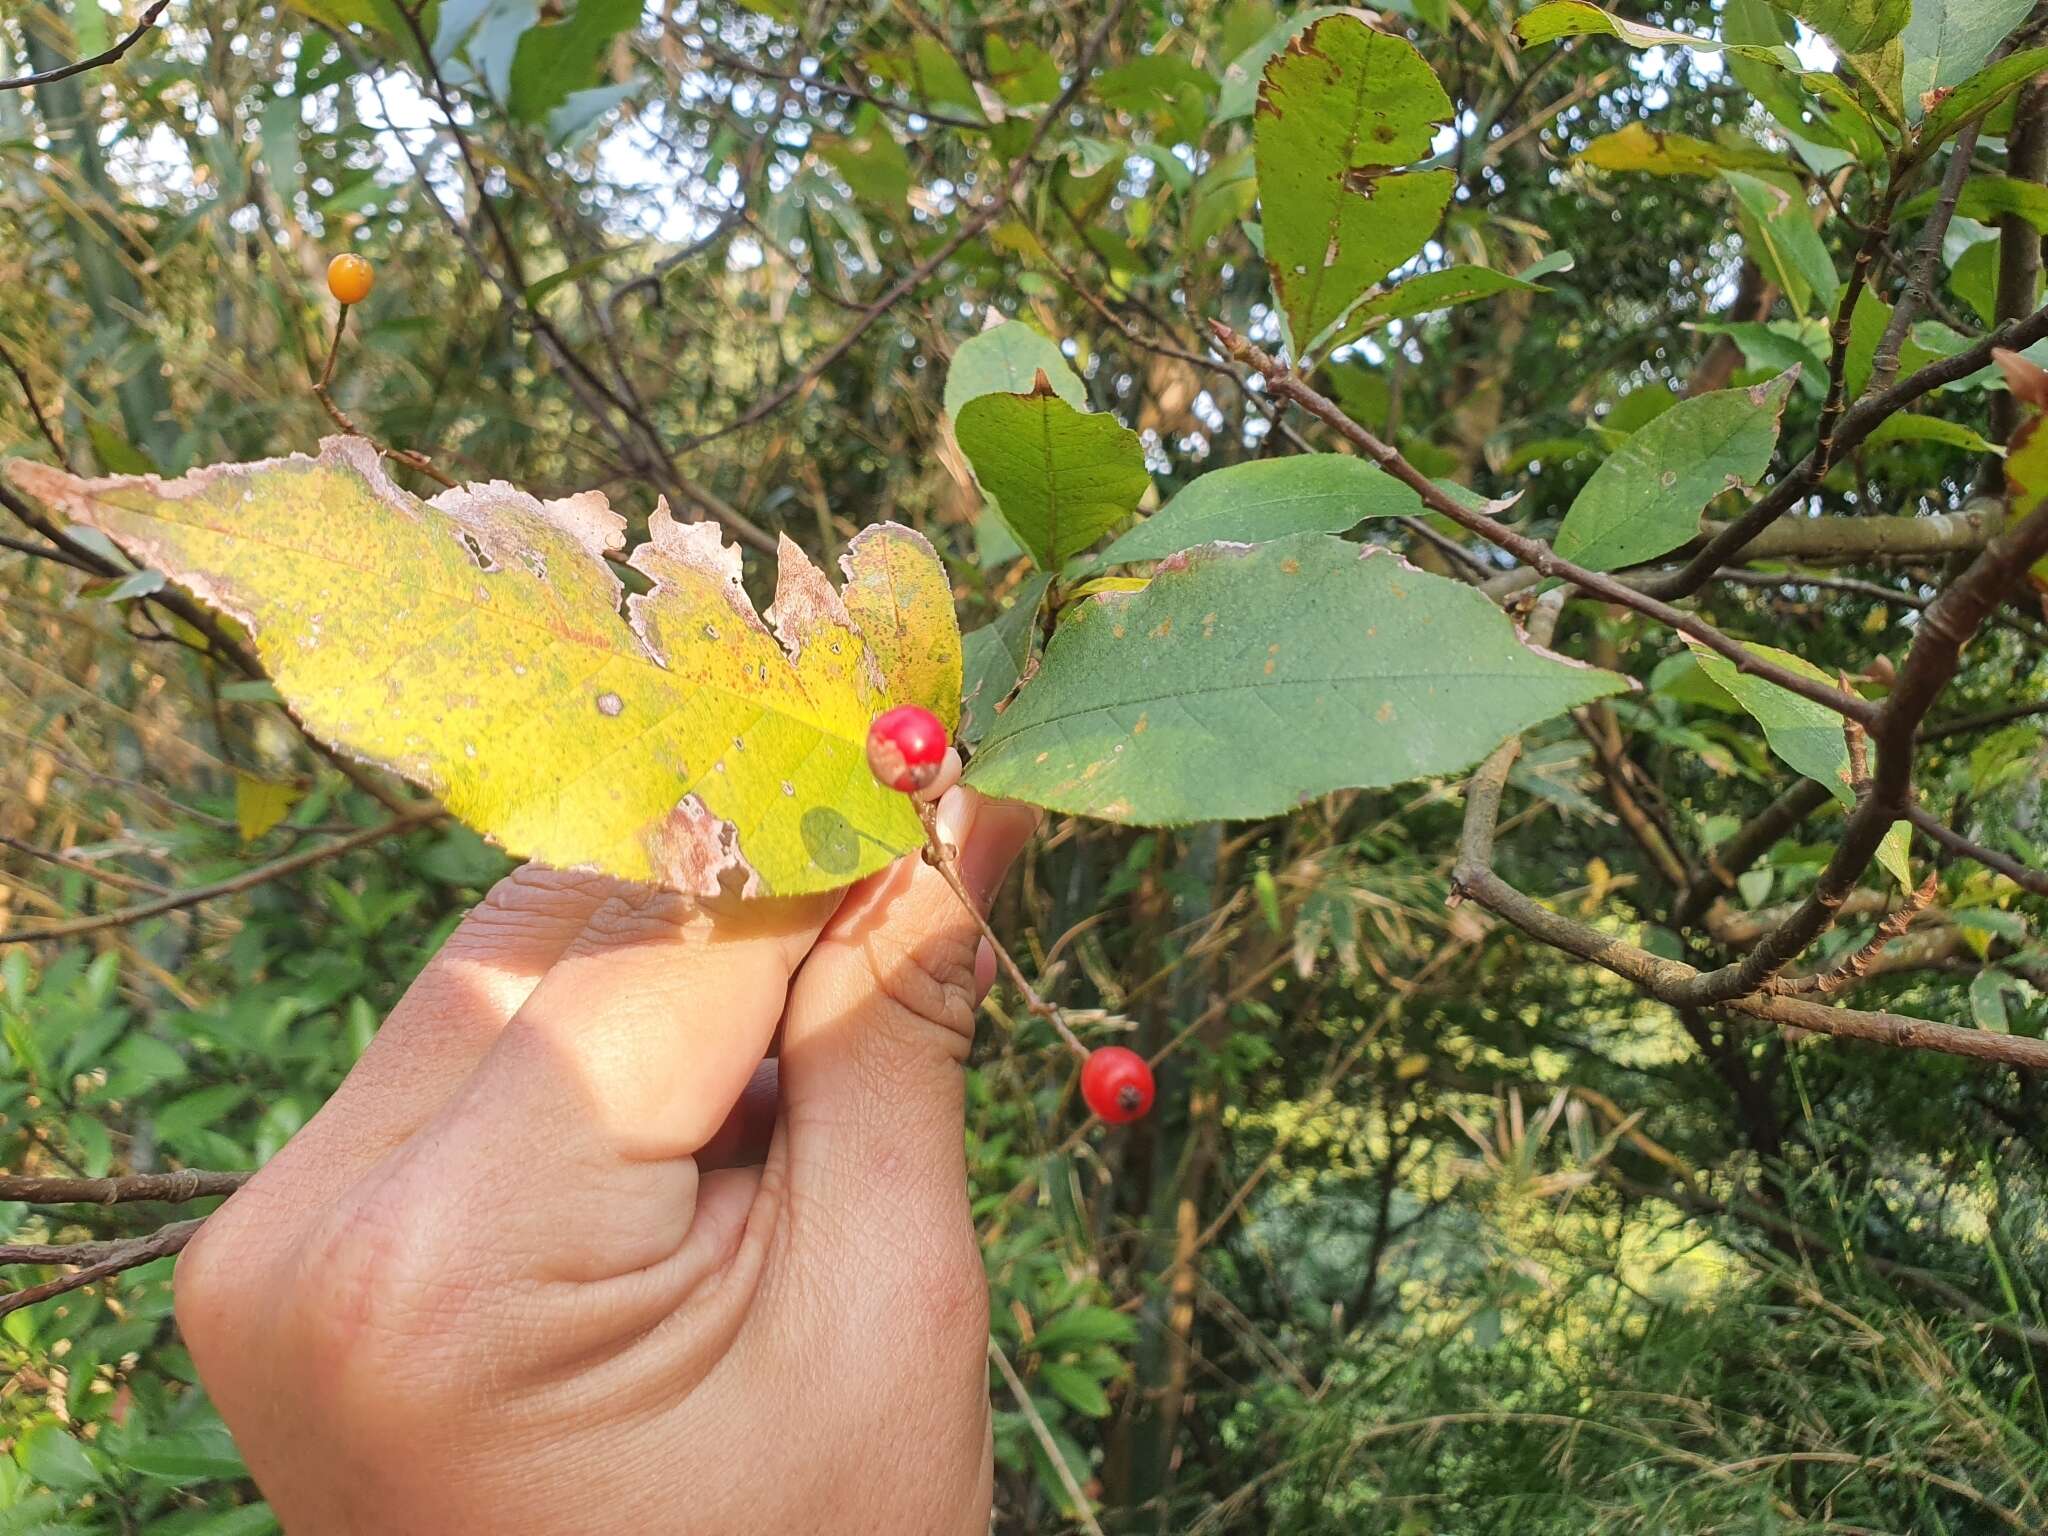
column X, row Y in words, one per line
column 906, row 746
column 1117, row 1084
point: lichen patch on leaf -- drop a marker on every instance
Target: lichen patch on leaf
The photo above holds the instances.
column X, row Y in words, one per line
column 476, row 644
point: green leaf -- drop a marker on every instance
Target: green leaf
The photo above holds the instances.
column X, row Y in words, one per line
column 996, row 655
column 1778, row 346
column 1909, row 428
column 1242, row 682
column 1004, row 360
column 1976, row 96
column 1083, row 1328
column 1988, row 199
column 1240, row 90
column 199, row 1110
column 1337, row 110
column 1022, row 73
column 1579, row 18
column 541, row 288
column 869, row 159
column 928, row 72
column 1268, row 499
column 1075, row 1387
column 1987, row 1001
column 188, row 1457
column 1805, row 735
column 1778, row 230
column 53, row 1458
column 1895, row 854
column 1639, row 147
column 1974, row 280
column 1853, row 26
column 1947, row 41
column 116, row 454
column 1645, row 498
column 558, row 58
column 1061, row 478
column 1427, row 293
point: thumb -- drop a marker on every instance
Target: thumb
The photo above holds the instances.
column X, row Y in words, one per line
column 880, row 1021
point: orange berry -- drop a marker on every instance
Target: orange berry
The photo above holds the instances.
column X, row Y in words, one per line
column 350, row 278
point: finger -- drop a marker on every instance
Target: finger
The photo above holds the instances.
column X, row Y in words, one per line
column 880, row 1020
column 426, row 1049
column 623, row 1063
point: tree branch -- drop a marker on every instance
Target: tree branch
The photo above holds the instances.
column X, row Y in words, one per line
column 102, row 1260
column 263, row 874
column 107, row 56
column 182, row 1184
column 1939, row 831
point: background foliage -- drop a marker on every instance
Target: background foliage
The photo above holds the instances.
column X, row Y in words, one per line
column 1436, row 1229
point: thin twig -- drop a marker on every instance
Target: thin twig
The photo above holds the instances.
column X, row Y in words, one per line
column 1084, row 1511
column 263, row 874
column 406, row 456
column 2023, row 875
column 35, row 406
column 114, row 1257
column 106, row 56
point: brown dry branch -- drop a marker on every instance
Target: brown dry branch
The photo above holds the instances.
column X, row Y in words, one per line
column 181, row 1184
column 100, row 1260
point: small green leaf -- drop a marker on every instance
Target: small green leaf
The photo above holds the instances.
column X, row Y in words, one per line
column 1061, row 478
column 1083, row 1327
column 1076, row 1388
column 53, row 1458
column 1895, row 854
column 1268, row 499
column 1004, row 360
column 1242, row 682
column 1645, row 499
column 1987, row 1001
column 1337, row 111
column 1429, row 292
column 1853, row 26
column 557, row 58
column 995, row 656
column 1805, row 735
column 1778, row 231
column 1909, row 428
column 1977, row 96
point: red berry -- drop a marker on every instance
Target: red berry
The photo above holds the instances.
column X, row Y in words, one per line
column 906, row 746
column 1117, row 1084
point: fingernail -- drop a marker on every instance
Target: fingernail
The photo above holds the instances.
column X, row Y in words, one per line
column 1001, row 829
column 956, row 818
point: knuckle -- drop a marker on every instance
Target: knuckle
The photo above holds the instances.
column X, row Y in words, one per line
column 928, row 977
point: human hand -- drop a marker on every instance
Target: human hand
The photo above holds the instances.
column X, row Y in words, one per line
column 532, row 1271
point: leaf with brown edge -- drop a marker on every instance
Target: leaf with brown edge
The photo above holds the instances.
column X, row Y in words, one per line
column 477, row 644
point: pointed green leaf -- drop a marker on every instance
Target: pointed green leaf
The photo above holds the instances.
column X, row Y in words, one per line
column 560, row 57
column 1987, row 1001
column 1268, row 499
column 1853, row 26
column 1242, row 682
column 1061, row 478
column 1909, row 428
column 1977, row 96
column 1645, row 499
column 1075, row 1387
column 995, row 656
column 1947, row 41
column 1778, row 229
column 1338, row 109
column 1805, row 735
column 1427, row 293
column 1004, row 360
column 1895, row 854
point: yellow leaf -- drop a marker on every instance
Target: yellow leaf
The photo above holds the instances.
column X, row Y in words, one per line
column 475, row 644
column 898, row 596
column 260, row 804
